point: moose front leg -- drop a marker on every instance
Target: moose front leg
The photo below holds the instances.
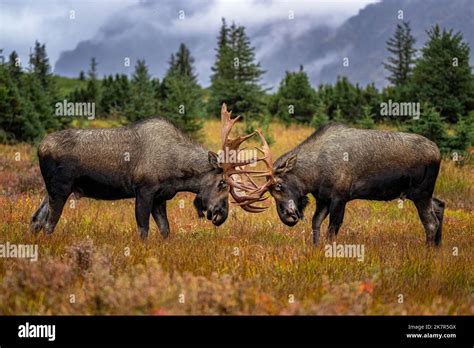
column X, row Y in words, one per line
column 322, row 210
column 199, row 207
column 143, row 206
column 336, row 216
column 159, row 215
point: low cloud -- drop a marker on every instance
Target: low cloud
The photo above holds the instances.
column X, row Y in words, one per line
column 115, row 29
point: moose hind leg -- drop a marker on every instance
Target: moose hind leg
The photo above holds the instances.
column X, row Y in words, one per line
column 56, row 205
column 428, row 218
column 159, row 215
column 39, row 218
column 438, row 207
column 143, row 207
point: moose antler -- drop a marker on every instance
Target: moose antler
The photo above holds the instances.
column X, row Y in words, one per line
column 243, row 186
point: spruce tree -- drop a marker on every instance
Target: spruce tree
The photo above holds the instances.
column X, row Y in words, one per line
column 142, row 103
column 430, row 125
column 107, row 102
column 40, row 89
column 122, row 88
column 347, row 98
column 372, row 98
column 39, row 65
column 181, row 103
column 236, row 75
column 19, row 120
column 180, row 99
column 401, row 46
column 14, row 67
column 92, row 92
column 220, row 69
column 463, row 137
column 442, row 76
column 10, row 107
column 337, row 115
column 182, row 64
column 367, row 119
column 42, row 106
column 320, row 117
column 295, row 98
column 115, row 94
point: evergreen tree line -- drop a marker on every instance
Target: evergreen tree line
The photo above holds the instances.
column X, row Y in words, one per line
column 438, row 77
column 27, row 97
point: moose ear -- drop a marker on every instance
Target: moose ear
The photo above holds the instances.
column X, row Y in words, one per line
column 213, row 159
column 287, row 165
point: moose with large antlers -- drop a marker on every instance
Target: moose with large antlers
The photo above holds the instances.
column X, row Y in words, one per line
column 150, row 160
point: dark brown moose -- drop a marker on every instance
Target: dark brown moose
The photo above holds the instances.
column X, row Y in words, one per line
column 150, row 160
column 337, row 164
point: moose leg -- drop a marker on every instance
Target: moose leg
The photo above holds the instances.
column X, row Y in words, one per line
column 56, row 205
column 322, row 210
column 143, row 207
column 438, row 207
column 428, row 218
column 38, row 220
column 199, row 207
column 159, row 215
column 336, row 216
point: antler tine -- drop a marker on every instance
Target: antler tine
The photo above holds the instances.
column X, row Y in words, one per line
column 261, row 199
column 227, row 123
column 266, row 151
column 253, row 209
column 244, row 191
column 246, row 203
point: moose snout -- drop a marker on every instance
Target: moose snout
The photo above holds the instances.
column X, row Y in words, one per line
column 292, row 218
column 288, row 215
column 217, row 215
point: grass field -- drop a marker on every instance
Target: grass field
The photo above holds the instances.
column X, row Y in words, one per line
column 95, row 262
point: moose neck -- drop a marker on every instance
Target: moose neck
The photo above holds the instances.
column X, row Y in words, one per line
column 189, row 184
column 195, row 168
column 305, row 181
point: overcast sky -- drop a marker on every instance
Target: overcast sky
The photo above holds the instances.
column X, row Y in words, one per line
column 128, row 21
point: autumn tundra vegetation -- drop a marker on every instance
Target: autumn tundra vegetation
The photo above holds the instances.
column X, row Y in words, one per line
column 251, row 264
column 96, row 263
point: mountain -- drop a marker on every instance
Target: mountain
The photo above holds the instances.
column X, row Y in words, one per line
column 363, row 38
column 280, row 45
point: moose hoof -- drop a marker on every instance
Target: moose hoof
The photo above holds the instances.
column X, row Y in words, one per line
column 315, row 239
column 143, row 234
column 433, row 244
column 35, row 227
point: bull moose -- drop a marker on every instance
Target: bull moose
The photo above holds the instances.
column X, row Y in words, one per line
column 150, row 160
column 337, row 164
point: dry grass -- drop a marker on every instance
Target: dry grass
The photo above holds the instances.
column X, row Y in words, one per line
column 252, row 264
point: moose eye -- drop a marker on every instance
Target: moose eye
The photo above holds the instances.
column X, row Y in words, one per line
column 278, row 187
column 222, row 184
